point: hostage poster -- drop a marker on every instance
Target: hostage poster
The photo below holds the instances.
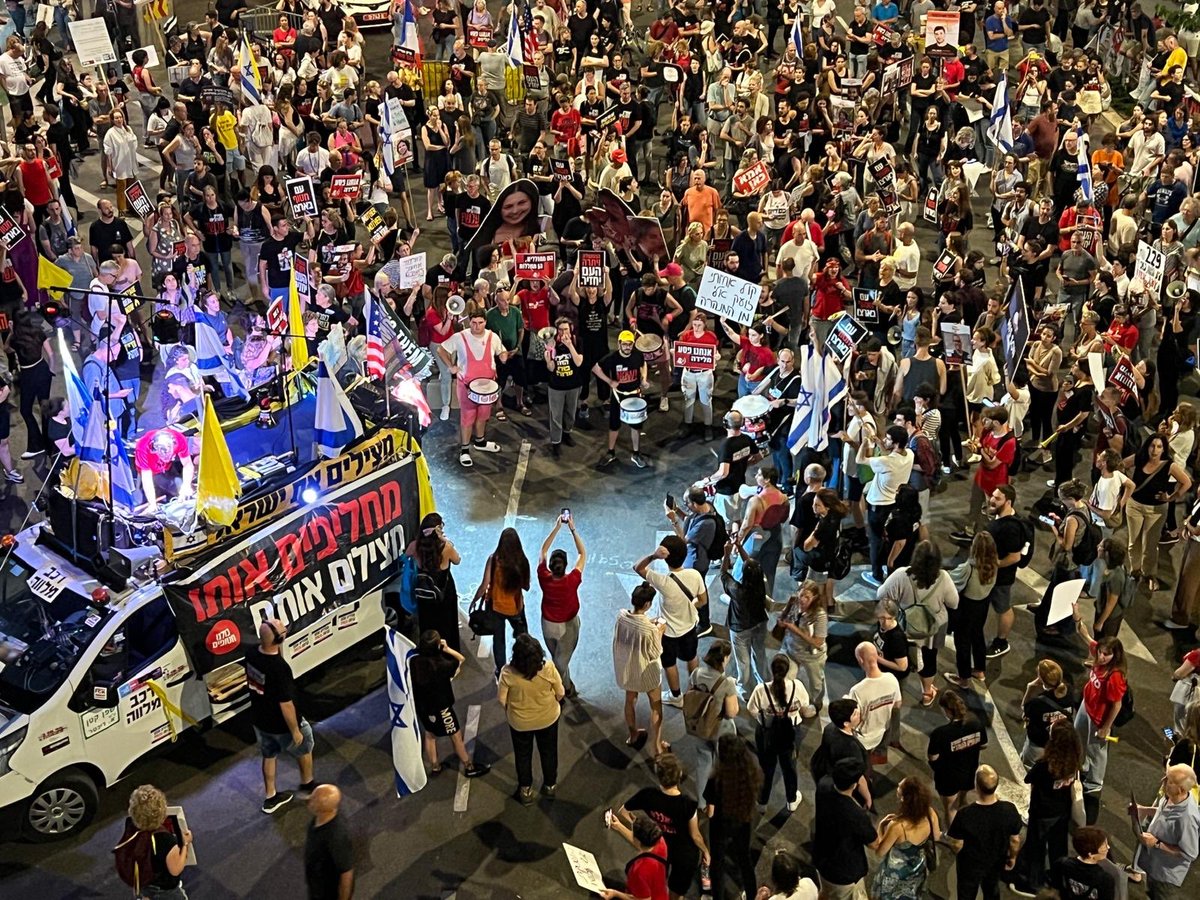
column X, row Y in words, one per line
column 331, row 552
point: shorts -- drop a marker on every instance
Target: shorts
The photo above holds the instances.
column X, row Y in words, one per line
column 442, row 723
column 469, row 411
column 234, row 160
column 854, row 489
column 271, row 745
column 1001, row 598
column 682, row 648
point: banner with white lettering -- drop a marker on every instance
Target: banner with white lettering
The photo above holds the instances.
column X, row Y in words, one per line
column 327, row 554
column 728, row 296
column 591, row 268
column 846, row 334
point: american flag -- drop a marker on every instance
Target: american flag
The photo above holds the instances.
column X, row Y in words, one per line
column 522, row 42
column 376, row 365
column 531, row 44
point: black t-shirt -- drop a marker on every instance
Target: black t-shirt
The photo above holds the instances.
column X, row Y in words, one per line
column 1043, row 711
column 163, row 843
column 628, row 114
column 328, row 853
column 431, row 677
column 892, row 646
column 200, row 264
column 1076, row 880
column 1047, row 231
column 1048, row 796
column 593, row 325
column 102, row 235
column 1009, row 535
column 471, row 212
column 566, row 374
column 736, row 451
column 836, row 745
column 842, row 831
column 535, row 167
column 1032, row 16
column 214, row 226
column 327, row 317
column 278, row 256
column 270, row 680
column 626, row 371
column 672, row 814
column 985, row 830
column 956, row 746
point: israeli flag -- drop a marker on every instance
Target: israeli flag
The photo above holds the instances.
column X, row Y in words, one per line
column 78, row 401
column 823, row 386
column 1084, row 167
column 798, row 35
column 211, row 359
column 402, row 716
column 336, row 424
column 1000, row 130
column 104, row 451
column 516, row 43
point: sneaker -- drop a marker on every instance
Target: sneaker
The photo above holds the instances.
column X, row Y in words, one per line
column 704, row 631
column 1173, row 626
column 567, row 439
column 555, row 450
column 1165, row 541
column 664, row 405
column 15, row 477
column 962, row 537
column 672, row 700
column 997, row 648
column 638, row 460
column 34, row 454
column 871, row 579
column 608, row 459
column 445, row 413
column 794, row 805
column 946, row 470
column 973, row 458
column 307, row 788
column 464, row 458
column 549, row 790
column 525, row 795
column 1050, row 483
column 281, row 798
column 955, row 679
column 486, row 446
column 705, row 880
column 475, row 770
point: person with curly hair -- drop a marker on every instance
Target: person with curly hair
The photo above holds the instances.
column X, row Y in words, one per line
column 730, row 797
column 162, row 851
column 904, row 838
column 530, row 691
column 1051, row 791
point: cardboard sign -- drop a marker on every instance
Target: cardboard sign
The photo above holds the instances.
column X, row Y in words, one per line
column 592, row 265
column 53, row 166
column 374, row 224
column 846, row 334
column 718, row 249
column 1151, row 265
column 11, row 233
column 276, row 317
column 880, row 35
column 136, row 195
column 727, row 296
column 412, row 270
column 300, row 266
column 532, row 78
column 1122, row 378
column 479, row 36
column 1014, row 330
column 930, row 212
column 956, row 343
column 561, row 169
column 865, row 309
column 881, row 169
column 92, row 42
column 752, row 180
column 943, row 268
column 535, row 265
column 303, row 198
column 695, row 356
column 345, row 187
column 607, row 118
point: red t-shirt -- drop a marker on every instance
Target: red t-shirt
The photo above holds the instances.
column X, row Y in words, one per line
column 1101, row 691
column 560, row 596
column 755, row 358
column 1124, row 336
column 990, row 479
column 146, row 459
column 706, row 339
column 828, row 298
column 646, row 876
column 535, row 308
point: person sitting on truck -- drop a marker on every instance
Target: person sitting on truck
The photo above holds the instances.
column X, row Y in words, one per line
column 156, row 454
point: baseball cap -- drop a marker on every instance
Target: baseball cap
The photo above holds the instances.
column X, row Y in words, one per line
column 672, row 270
column 625, row 335
column 74, row 240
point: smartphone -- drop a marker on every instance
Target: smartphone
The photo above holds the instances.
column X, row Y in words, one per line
column 1169, row 733
column 565, row 515
column 608, row 818
column 670, row 501
column 1046, row 520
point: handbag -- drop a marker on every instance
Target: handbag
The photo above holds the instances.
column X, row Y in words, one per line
column 929, row 850
column 779, row 630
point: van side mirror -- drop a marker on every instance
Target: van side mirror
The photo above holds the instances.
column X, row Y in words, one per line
column 93, row 694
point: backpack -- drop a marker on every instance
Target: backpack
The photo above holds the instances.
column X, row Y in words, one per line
column 776, row 731
column 134, row 857
column 426, row 593
column 838, row 566
column 919, row 620
column 1126, row 712
column 1087, row 541
column 1018, row 460
column 716, row 550
column 702, row 711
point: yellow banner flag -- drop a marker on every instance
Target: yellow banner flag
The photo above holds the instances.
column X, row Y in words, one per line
column 52, row 278
column 297, row 343
column 217, row 487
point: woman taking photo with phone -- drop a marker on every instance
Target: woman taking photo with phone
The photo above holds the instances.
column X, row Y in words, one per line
column 560, row 600
column 505, row 581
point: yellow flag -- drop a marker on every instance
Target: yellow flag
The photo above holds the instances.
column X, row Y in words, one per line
column 217, row 487
column 298, row 344
column 53, row 278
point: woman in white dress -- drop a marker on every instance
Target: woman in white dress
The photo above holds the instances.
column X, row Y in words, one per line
column 637, row 651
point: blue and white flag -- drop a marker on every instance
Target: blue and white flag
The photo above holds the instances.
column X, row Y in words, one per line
column 516, row 41
column 798, row 35
column 410, row 39
column 402, row 715
column 78, row 402
column 104, row 452
column 1000, row 130
column 251, row 81
column 1084, row 167
column 336, row 423
column 822, row 386
column 211, row 358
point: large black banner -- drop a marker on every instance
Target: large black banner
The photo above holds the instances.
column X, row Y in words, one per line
column 326, row 554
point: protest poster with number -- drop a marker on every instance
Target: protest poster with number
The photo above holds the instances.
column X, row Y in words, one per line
column 535, row 265
column 865, row 309
column 345, row 187
column 727, row 296
column 752, row 180
column 561, row 169
column 302, row 197
column 592, row 264
column 136, row 195
column 532, row 78
column 412, row 270
column 1151, row 265
column 10, row 232
column 694, row 356
column 479, row 36
column 374, row 223
column 846, row 334
column 303, row 282
column 881, row 169
column 718, row 249
column 276, row 317
column 930, row 212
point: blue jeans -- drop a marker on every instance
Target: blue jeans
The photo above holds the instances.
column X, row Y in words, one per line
column 765, row 547
column 1095, row 753
column 218, row 262
column 750, row 657
column 60, row 22
column 785, row 464
column 499, row 647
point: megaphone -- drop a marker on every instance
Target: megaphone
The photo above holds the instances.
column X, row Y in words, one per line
column 893, row 336
column 456, row 305
column 1176, row 290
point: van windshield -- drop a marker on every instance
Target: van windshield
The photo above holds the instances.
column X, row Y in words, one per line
column 40, row 639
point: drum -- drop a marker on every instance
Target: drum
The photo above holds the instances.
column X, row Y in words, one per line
column 165, row 327
column 483, row 391
column 754, row 409
column 633, row 410
column 651, row 347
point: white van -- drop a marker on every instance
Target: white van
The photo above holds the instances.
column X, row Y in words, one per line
column 93, row 677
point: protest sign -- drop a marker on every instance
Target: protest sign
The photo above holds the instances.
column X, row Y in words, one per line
column 753, row 179
column 300, row 265
column 532, row 77
column 561, row 169
column 535, row 265
column 865, row 309
column 345, row 187
column 92, row 42
column 10, row 232
column 303, row 199
column 592, row 264
column 211, row 94
column 479, row 36
column 1151, row 264
column 412, row 270
column 374, row 224
column 941, row 33
column 136, row 195
column 881, row 169
column 930, row 212
column 943, row 267
column 846, row 334
column 694, row 356
column 718, row 249
column 1014, row 330
column 276, row 317
column 727, row 296
column 1122, row 378
column 956, row 343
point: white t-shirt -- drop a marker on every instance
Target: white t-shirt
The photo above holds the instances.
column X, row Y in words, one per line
column 761, row 705
column 855, row 428
column 1018, row 408
column 99, row 303
column 456, row 346
column 876, row 697
column 805, row 890
column 909, row 259
column 312, row 164
column 1107, row 493
column 891, row 471
column 805, row 256
column 673, row 603
column 16, row 84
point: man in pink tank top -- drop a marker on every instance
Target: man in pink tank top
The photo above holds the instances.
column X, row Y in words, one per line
column 471, row 355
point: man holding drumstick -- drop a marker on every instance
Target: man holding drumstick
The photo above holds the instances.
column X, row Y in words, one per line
column 471, row 355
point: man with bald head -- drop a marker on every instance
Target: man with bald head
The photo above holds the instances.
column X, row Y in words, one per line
column 277, row 724
column 328, row 850
column 986, row 836
column 1171, row 841
column 877, row 696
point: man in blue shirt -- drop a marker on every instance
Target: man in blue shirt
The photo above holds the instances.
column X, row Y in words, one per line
column 886, row 13
column 1000, row 29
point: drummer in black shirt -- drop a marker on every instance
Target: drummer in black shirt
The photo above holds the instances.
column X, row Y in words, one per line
column 624, row 371
column 651, row 310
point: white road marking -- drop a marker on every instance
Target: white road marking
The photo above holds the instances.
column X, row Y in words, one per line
column 514, row 496
column 1129, row 640
column 462, row 790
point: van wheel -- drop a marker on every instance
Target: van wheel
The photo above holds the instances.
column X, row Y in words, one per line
column 61, row 807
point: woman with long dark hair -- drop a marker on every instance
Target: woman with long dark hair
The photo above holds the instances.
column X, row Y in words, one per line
column 1051, row 785
column 974, row 579
column 433, row 669
column 777, row 708
column 730, row 795
column 437, row 607
column 505, row 580
column 901, row 842
column 954, row 752
column 531, row 693
column 1158, row 480
column 1103, row 694
column 34, row 353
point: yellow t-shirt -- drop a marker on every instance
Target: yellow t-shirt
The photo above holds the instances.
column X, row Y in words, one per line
column 225, row 125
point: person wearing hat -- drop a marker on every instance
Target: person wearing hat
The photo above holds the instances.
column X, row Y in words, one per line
column 842, row 832
column 164, row 465
column 616, row 170
column 624, row 371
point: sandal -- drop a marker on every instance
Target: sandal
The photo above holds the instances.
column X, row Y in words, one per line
column 526, row 411
column 435, row 770
column 501, row 416
column 927, row 697
column 1133, row 874
column 637, row 740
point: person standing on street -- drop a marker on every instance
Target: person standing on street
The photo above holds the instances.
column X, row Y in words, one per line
column 560, row 600
column 277, row 723
column 1171, row 842
column 843, row 831
column 704, row 530
column 328, row 850
column 683, row 592
column 986, row 836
